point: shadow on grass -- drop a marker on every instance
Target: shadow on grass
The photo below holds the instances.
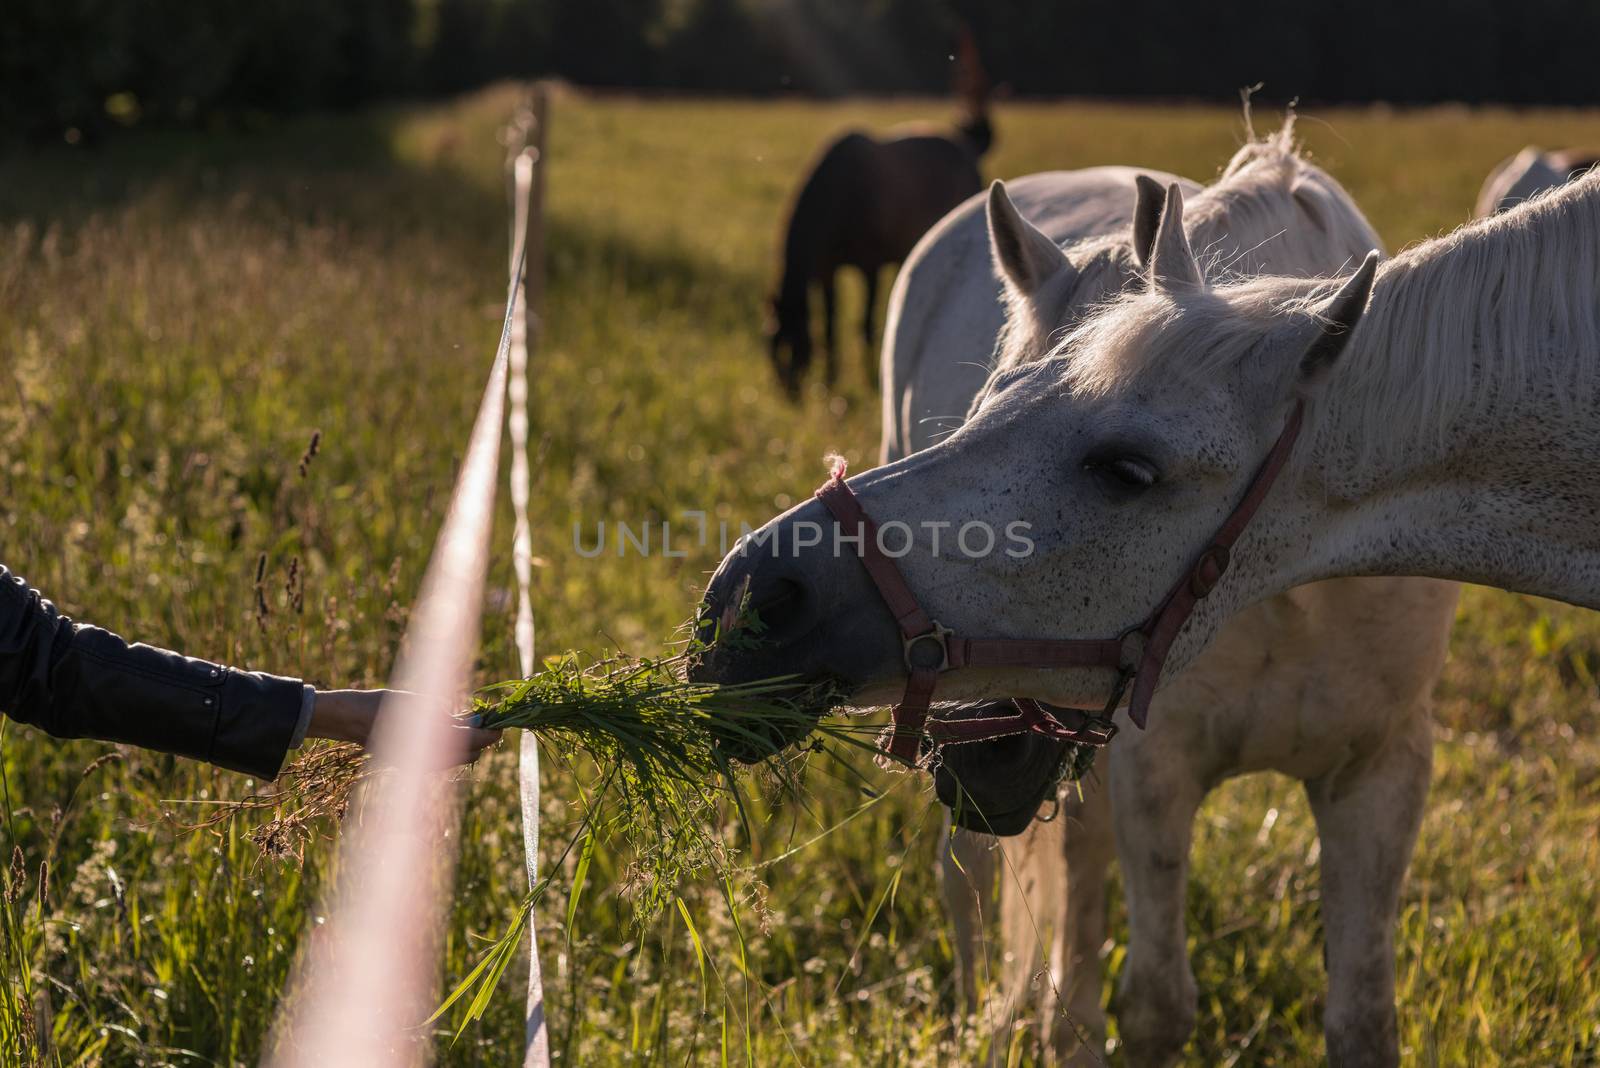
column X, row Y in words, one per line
column 347, row 172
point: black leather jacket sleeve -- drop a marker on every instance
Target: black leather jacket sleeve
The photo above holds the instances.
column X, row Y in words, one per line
column 78, row 681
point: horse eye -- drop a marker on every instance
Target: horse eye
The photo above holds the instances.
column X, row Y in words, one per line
column 1122, row 476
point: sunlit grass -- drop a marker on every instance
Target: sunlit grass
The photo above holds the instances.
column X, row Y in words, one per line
column 182, row 313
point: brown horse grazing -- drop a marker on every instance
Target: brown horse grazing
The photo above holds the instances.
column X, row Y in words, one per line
column 864, row 204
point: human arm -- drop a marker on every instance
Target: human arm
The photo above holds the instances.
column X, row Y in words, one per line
column 72, row 680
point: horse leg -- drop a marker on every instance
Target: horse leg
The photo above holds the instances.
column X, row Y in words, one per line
column 1033, row 909
column 1368, row 818
column 1155, row 798
column 869, row 354
column 966, row 882
column 830, row 334
column 1077, row 1020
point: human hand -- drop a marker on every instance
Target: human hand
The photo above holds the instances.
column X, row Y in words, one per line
column 350, row 715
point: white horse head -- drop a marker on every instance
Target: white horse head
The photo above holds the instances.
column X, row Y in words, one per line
column 1452, row 435
column 1081, row 238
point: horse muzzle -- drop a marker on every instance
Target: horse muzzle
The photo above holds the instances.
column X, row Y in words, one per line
column 781, row 605
column 996, row 786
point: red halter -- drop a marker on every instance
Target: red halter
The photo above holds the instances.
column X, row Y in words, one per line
column 944, row 651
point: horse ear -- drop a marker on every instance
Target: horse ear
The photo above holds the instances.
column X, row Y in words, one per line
column 1024, row 257
column 1172, row 263
column 1336, row 321
column 1149, row 199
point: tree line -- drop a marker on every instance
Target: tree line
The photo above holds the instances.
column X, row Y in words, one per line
column 83, row 67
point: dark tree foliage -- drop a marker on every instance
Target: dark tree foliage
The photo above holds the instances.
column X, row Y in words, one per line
column 82, row 67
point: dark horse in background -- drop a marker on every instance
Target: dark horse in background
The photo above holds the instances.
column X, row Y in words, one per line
column 864, row 204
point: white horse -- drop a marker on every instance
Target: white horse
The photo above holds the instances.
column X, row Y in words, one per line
column 1451, row 429
column 1451, row 405
column 1328, row 684
column 1529, row 173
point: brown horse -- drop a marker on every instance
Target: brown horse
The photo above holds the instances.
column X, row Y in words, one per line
column 864, row 204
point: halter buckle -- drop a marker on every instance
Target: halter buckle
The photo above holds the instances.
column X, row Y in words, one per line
column 1092, row 730
column 1096, row 733
column 939, row 633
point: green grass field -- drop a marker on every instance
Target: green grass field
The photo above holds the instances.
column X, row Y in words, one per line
column 181, row 313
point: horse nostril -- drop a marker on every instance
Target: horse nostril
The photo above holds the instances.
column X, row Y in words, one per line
column 779, row 608
column 771, row 609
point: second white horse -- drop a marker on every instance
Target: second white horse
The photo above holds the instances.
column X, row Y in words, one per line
column 1328, row 683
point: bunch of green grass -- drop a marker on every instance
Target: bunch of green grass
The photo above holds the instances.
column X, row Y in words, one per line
column 665, row 750
column 668, row 752
column 668, row 776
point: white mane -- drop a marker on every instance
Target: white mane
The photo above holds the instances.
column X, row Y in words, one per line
column 1486, row 314
column 1302, row 221
column 1271, row 211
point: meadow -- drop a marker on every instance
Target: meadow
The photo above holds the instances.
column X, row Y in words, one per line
column 182, row 313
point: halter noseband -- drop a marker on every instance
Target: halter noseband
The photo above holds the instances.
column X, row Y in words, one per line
column 930, row 648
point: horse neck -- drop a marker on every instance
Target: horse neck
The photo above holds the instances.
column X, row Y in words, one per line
column 799, row 265
column 1511, row 502
column 1465, row 445
column 978, row 131
column 793, row 291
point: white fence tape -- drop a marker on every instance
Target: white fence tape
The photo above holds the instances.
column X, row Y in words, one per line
column 527, row 202
column 369, row 974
